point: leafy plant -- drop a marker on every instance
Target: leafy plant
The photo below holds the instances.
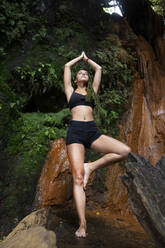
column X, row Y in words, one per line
column 30, row 137
column 41, row 33
column 118, row 74
column 64, row 33
column 9, row 108
column 158, row 6
column 14, row 18
column 35, row 80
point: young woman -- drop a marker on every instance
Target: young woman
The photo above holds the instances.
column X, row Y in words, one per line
column 83, row 133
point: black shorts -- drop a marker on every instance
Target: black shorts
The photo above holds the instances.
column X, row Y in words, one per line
column 82, row 132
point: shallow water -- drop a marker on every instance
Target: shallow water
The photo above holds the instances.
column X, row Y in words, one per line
column 104, row 230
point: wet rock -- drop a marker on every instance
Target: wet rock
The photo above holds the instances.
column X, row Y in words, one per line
column 146, row 187
column 160, row 50
column 31, row 232
column 55, row 183
column 117, row 193
column 147, row 115
column 143, row 126
column 105, row 230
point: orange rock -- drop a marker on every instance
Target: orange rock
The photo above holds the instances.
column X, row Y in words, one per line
column 143, row 126
column 150, row 112
column 55, row 183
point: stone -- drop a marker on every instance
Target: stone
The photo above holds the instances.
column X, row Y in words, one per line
column 55, row 183
column 31, row 232
column 143, row 126
column 35, row 237
column 36, row 218
column 146, row 186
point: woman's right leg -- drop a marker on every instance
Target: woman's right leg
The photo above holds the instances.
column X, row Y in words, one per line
column 113, row 150
column 76, row 156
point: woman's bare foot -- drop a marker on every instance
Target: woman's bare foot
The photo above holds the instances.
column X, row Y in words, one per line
column 81, row 232
column 87, row 172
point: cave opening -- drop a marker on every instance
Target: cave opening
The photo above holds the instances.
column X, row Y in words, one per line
column 113, row 8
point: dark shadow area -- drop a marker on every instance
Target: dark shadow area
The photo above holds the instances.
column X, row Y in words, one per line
column 51, row 101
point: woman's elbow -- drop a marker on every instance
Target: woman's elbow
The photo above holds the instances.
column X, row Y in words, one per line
column 99, row 68
column 67, row 65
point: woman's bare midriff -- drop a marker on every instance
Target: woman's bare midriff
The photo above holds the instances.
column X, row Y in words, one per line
column 82, row 113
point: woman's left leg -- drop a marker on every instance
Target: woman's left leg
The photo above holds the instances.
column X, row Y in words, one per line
column 114, row 150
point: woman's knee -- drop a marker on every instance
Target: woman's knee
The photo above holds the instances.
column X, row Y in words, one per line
column 78, row 178
column 125, row 151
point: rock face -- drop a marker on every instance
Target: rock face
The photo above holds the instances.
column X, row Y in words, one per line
column 31, row 233
column 143, row 126
column 146, row 129
column 146, row 187
column 55, row 183
column 118, row 194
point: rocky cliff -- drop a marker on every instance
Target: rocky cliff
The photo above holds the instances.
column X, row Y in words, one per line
column 143, row 126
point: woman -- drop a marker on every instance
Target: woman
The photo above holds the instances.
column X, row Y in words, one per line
column 82, row 132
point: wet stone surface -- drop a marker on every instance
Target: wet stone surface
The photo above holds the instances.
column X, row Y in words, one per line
column 103, row 230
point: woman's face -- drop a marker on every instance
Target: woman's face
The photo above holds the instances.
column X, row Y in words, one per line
column 82, row 76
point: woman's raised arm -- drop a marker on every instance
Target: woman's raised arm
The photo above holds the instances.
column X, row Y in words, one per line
column 98, row 72
column 67, row 76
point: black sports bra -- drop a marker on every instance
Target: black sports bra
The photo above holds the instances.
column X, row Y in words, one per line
column 79, row 99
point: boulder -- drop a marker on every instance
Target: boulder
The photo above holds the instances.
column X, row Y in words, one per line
column 146, row 186
column 36, row 218
column 55, row 183
column 35, row 237
column 31, row 232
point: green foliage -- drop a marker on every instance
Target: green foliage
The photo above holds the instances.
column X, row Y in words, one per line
column 35, row 80
column 9, row 108
column 118, row 75
column 14, row 19
column 41, row 33
column 64, row 33
column 2, row 52
column 29, row 139
column 67, row 53
column 114, row 103
column 120, row 69
column 158, row 6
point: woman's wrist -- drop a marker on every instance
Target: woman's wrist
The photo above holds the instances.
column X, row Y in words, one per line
column 79, row 58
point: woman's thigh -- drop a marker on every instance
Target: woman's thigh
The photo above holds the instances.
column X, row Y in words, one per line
column 76, row 154
column 106, row 144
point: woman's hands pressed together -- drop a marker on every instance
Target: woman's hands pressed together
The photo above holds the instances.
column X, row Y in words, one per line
column 67, row 73
column 85, row 58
